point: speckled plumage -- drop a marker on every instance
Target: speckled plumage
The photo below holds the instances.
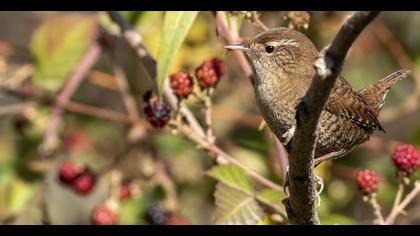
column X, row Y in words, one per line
column 284, row 75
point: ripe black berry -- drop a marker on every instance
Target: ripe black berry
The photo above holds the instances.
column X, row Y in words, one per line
column 181, row 84
column 157, row 113
column 155, row 215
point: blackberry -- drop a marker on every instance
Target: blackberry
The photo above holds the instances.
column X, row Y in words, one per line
column 367, row 180
column 181, row 84
column 406, row 158
column 155, row 215
column 157, row 113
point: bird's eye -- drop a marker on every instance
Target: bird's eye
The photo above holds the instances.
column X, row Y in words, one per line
column 269, row 49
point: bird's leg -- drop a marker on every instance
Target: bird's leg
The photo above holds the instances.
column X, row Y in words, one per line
column 286, row 182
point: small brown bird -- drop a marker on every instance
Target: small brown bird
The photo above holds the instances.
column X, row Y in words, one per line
column 282, row 59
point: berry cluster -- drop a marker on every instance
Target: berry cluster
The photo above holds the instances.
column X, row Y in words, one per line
column 155, row 215
column 157, row 111
column 81, row 179
column 367, row 180
column 209, row 72
column 102, row 215
column 406, row 159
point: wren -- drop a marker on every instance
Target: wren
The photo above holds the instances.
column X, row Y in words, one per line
column 282, row 60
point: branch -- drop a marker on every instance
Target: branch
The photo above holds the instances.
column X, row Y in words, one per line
column 396, row 210
column 376, row 210
column 194, row 131
column 63, row 98
column 301, row 167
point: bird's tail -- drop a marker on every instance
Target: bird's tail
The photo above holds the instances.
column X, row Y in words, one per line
column 375, row 94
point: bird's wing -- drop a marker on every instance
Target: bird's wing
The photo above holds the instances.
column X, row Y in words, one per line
column 344, row 102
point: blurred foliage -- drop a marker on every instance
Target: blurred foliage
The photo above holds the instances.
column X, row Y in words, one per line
column 60, row 40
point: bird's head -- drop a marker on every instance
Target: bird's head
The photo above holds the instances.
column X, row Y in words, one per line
column 279, row 50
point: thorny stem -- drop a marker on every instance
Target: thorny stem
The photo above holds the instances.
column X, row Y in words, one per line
column 376, row 210
column 400, row 208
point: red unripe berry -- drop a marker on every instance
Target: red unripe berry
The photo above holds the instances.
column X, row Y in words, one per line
column 367, row 180
column 124, row 192
column 209, row 72
column 102, row 215
column 84, row 182
column 177, row 220
column 406, row 158
column 75, row 139
column 181, row 84
column 67, row 172
column 219, row 67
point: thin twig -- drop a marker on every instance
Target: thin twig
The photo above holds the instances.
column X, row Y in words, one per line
column 97, row 112
column 70, row 87
column 226, row 158
column 221, row 27
column 376, row 210
column 172, row 202
column 301, row 207
column 400, row 208
column 282, row 155
column 128, row 99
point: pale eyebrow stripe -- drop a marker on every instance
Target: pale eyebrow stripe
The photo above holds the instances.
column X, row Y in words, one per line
column 283, row 42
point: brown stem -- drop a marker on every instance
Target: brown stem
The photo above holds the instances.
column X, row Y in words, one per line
column 301, row 207
column 376, row 210
column 129, row 100
column 97, row 112
column 400, row 208
column 221, row 27
column 226, row 158
column 70, row 87
column 282, row 155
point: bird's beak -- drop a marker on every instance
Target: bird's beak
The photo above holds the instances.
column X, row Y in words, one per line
column 241, row 47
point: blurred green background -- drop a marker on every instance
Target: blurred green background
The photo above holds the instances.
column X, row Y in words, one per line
column 28, row 181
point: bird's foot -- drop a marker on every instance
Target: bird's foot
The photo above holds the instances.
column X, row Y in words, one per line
column 288, row 135
column 319, row 182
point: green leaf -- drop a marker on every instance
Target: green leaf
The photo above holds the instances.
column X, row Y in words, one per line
column 232, row 176
column 175, row 27
column 235, row 207
column 272, row 198
column 58, row 45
